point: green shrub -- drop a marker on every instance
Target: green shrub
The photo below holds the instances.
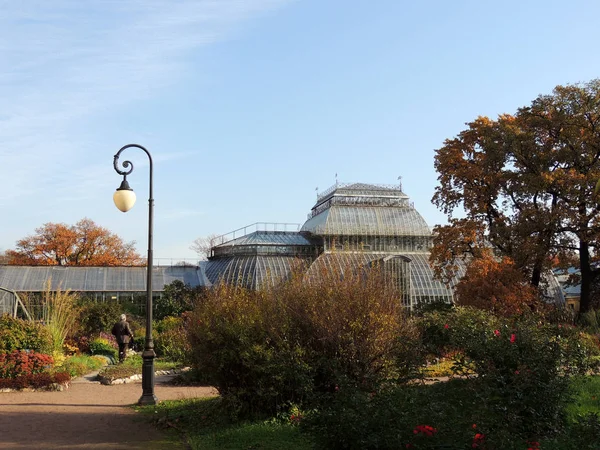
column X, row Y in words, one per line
column 170, row 339
column 175, row 299
column 233, row 343
column 101, row 346
column 590, row 320
column 522, row 366
column 95, row 317
column 18, row 334
column 270, row 348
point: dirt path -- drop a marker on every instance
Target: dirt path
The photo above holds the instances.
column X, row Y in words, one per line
column 88, row 415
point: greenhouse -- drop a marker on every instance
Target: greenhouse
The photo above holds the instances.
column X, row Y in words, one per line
column 100, row 283
column 350, row 225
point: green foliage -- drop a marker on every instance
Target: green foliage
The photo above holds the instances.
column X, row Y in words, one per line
column 19, row 334
column 78, row 365
column 353, row 419
column 95, row 317
column 522, row 363
column 267, row 349
column 206, row 425
column 170, row 340
column 176, row 298
column 234, row 343
column 101, row 346
column 590, row 320
column 60, row 315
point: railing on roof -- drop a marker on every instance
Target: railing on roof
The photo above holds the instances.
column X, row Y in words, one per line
column 258, row 226
column 367, row 186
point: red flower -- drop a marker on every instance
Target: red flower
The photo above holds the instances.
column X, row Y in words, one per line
column 426, row 430
column 474, row 426
column 513, row 338
column 497, row 332
column 446, row 326
column 478, row 440
column 516, row 372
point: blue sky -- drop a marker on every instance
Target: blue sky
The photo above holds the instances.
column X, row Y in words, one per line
column 248, row 106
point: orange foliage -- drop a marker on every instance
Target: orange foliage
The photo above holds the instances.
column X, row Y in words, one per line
column 83, row 244
column 497, row 286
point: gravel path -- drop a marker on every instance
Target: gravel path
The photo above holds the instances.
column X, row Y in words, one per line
column 88, row 415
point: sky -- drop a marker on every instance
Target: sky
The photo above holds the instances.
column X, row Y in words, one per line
column 251, row 107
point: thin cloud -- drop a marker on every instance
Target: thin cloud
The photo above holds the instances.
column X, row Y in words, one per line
column 63, row 62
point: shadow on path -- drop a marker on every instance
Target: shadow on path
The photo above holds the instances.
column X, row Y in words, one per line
column 88, row 415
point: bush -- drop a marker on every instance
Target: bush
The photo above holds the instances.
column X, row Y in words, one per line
column 266, row 349
column 233, row 342
column 170, row 340
column 176, row 299
column 102, row 346
column 36, row 381
column 96, row 317
column 522, row 366
column 18, row 334
column 19, row 362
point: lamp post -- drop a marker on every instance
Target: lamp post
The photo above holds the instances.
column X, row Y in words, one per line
column 124, row 199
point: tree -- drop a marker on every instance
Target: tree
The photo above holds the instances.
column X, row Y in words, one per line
column 204, row 245
column 496, row 285
column 176, row 298
column 527, row 180
column 83, row 244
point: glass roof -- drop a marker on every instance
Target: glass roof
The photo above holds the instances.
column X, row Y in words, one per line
column 251, row 271
column 269, row 238
column 94, row 279
column 368, row 220
column 360, row 209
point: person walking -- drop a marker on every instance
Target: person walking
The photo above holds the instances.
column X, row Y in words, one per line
column 122, row 331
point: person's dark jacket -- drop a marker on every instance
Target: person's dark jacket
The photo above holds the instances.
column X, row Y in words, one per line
column 122, row 332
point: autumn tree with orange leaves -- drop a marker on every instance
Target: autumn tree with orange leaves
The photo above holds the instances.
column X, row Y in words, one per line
column 525, row 183
column 83, row 244
column 497, row 285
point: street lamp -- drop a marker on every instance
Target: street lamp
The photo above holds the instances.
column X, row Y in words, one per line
column 124, row 199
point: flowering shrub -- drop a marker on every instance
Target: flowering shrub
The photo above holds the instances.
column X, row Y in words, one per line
column 35, row 381
column 19, row 363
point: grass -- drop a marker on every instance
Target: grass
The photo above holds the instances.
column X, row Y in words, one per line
column 78, row 365
column 133, row 366
column 587, row 397
column 206, row 426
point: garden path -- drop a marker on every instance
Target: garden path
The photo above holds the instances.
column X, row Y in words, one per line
column 87, row 416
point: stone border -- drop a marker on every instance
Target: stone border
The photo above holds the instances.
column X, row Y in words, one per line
column 51, row 387
column 138, row 377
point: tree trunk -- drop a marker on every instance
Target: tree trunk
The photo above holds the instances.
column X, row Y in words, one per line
column 586, row 277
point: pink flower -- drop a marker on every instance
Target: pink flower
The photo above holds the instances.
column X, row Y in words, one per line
column 497, row 332
column 513, row 338
column 446, row 326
